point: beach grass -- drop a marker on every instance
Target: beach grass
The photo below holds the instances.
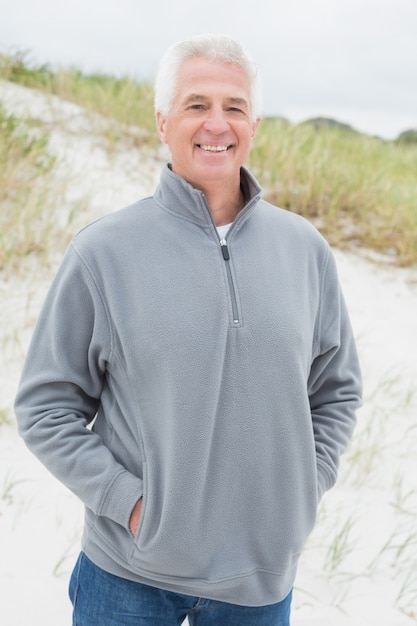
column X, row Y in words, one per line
column 27, row 207
column 123, row 99
column 360, row 191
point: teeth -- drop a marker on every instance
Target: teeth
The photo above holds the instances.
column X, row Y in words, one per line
column 213, row 148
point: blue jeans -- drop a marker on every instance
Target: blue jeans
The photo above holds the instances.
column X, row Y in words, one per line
column 101, row 599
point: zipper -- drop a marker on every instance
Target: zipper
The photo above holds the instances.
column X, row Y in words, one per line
column 226, row 257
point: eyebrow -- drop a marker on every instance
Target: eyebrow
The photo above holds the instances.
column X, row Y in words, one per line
column 195, row 97
column 238, row 101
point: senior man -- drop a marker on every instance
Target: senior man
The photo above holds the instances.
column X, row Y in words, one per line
column 193, row 376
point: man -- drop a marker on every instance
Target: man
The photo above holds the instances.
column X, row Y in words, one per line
column 218, row 372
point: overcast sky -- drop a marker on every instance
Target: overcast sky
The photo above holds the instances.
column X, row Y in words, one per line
column 355, row 60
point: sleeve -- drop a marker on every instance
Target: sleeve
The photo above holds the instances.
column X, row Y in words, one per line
column 335, row 383
column 59, row 394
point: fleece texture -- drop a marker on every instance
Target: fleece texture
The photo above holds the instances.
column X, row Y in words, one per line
column 218, row 382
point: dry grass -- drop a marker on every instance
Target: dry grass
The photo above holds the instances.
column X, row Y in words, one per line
column 358, row 190
column 26, row 215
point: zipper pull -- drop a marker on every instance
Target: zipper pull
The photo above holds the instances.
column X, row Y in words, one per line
column 225, row 249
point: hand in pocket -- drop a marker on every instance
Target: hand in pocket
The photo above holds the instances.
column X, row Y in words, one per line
column 135, row 517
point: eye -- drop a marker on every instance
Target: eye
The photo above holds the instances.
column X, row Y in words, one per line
column 197, row 107
column 236, row 110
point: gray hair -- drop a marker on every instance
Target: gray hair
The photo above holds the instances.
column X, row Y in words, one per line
column 214, row 48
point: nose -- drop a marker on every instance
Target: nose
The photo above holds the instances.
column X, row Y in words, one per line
column 216, row 121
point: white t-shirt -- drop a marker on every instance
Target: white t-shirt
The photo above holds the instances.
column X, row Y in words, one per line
column 222, row 230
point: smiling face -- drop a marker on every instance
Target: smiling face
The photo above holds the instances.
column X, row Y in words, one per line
column 209, row 128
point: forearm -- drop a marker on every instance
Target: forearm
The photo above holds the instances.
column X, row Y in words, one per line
column 333, row 427
column 74, row 454
column 335, row 381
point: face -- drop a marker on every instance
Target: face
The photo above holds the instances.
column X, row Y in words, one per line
column 209, row 128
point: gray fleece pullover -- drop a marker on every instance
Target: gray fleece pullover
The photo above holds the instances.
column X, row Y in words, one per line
column 219, row 382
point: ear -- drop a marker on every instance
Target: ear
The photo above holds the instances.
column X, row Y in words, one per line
column 255, row 126
column 161, row 126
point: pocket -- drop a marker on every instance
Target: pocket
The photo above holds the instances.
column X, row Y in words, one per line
column 137, row 536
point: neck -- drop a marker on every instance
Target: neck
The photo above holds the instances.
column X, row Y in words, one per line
column 225, row 205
